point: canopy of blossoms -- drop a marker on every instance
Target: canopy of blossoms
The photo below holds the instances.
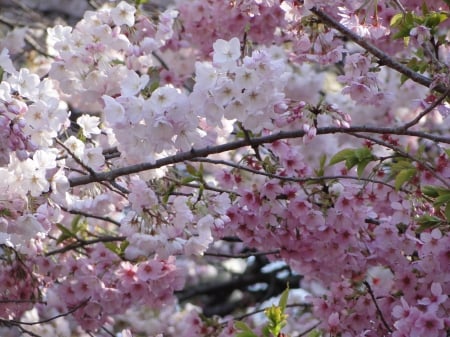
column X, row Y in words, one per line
column 166, row 172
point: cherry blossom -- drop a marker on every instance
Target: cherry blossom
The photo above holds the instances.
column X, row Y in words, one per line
column 164, row 173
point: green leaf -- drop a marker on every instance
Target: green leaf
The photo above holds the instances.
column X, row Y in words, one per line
column 74, row 224
column 409, row 19
column 315, row 333
column 242, row 326
column 124, row 244
column 425, row 9
column 153, row 86
column 246, row 334
column 403, row 79
column 397, row 19
column 341, row 156
column 322, row 161
column 401, row 164
column 245, row 330
column 353, row 157
column 283, row 299
column 66, row 233
column 363, row 153
column 188, row 180
column 404, row 176
column 169, row 192
column 427, row 222
column 442, row 199
column 350, row 162
column 191, row 169
column 430, row 191
column 112, row 247
column 5, row 212
column 434, row 19
column 447, row 212
column 277, row 319
column 361, row 166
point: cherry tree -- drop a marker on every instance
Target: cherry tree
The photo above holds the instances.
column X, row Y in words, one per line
column 226, row 168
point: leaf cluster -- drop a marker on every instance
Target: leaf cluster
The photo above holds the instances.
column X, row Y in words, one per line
column 441, row 203
column 405, row 22
column 354, row 157
column 276, row 317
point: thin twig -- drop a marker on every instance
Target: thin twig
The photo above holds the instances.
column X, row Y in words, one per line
column 293, row 305
column 427, row 110
column 120, row 188
column 380, row 313
column 249, row 139
column 75, row 157
column 400, row 6
column 243, row 256
column 198, row 186
column 23, row 301
column 108, row 332
column 28, row 332
column 404, row 154
column 304, row 333
column 287, row 178
column 88, row 215
column 83, row 243
column 18, row 323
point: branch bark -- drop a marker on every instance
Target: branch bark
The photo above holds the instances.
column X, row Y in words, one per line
column 209, row 150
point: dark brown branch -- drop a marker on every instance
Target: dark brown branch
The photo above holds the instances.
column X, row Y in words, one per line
column 204, row 152
column 306, row 332
column 380, row 313
column 25, row 331
column 427, row 110
column 385, row 59
column 83, row 243
column 22, row 301
column 287, row 178
column 88, row 215
column 243, row 255
column 78, row 160
column 404, row 154
column 18, row 323
column 305, row 306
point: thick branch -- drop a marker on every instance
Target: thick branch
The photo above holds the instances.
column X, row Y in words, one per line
column 204, row 152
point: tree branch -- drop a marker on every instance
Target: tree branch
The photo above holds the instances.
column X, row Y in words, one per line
column 204, row 152
column 19, row 323
column 88, row 215
column 82, row 243
column 287, row 178
column 243, row 255
column 384, row 58
column 427, row 110
column 380, row 313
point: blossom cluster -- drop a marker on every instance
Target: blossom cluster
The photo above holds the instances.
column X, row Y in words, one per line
column 318, row 155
